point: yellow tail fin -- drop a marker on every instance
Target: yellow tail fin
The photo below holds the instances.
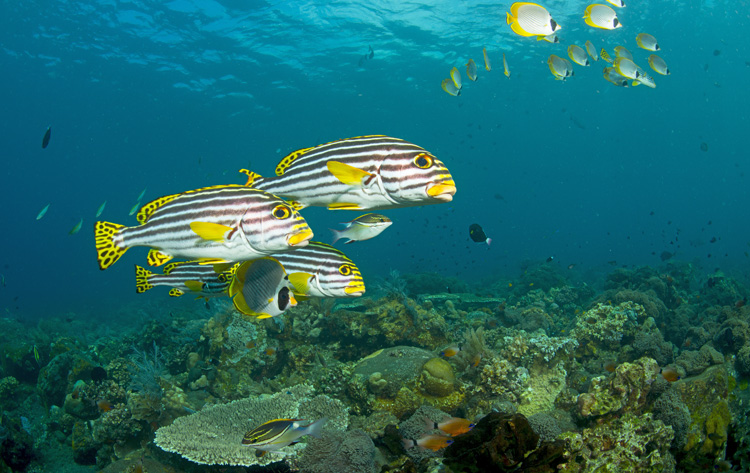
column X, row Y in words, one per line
column 141, row 279
column 107, row 252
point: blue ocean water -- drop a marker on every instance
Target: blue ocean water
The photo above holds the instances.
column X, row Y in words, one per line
column 176, row 95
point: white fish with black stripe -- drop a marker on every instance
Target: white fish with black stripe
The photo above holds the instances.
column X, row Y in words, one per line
column 214, row 224
column 361, row 173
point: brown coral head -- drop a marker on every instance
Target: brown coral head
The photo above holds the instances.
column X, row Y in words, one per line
column 585, row 403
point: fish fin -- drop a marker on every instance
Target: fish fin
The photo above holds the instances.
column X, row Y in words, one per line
column 347, row 174
column 301, row 298
column 148, row 210
column 107, row 251
column 195, row 286
column 344, row 206
column 296, row 205
column 175, row 293
column 252, row 177
column 171, row 266
column 263, row 315
column 336, row 235
column 289, row 159
column 211, row 231
column 141, row 279
column 157, row 258
column 509, row 18
column 300, row 281
column 518, row 30
column 221, row 267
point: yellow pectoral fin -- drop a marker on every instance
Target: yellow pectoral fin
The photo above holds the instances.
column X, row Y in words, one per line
column 263, row 316
column 157, row 258
column 210, row 231
column 175, row 293
column 344, row 206
column 300, row 281
column 195, row 286
column 347, row 174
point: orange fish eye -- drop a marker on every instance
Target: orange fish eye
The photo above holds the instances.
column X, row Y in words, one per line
column 423, row 161
column 281, row 212
column 345, row 270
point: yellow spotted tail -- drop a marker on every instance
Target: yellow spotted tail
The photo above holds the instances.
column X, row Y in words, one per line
column 107, row 252
column 141, row 279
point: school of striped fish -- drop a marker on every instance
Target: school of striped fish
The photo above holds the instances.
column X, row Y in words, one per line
column 533, row 20
column 250, row 243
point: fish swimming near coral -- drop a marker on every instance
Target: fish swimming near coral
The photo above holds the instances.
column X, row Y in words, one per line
column 260, row 288
column 217, row 224
column 362, row 228
column 279, row 433
column 189, row 277
column 452, row 426
column 432, row 442
column 362, row 173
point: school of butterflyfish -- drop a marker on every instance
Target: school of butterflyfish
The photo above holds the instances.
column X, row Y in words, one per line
column 533, row 20
column 249, row 241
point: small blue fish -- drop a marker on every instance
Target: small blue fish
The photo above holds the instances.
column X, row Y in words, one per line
column 42, row 212
column 101, row 209
column 76, row 228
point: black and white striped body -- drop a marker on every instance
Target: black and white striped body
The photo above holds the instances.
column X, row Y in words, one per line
column 257, row 224
column 333, row 274
column 395, row 173
column 184, row 275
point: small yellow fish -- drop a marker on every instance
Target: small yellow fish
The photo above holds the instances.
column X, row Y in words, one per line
column 647, row 42
column 36, row 355
column 591, row 50
column 448, row 86
column 506, row 71
column 605, row 56
column 134, row 209
column 559, row 67
column 42, row 212
column 76, row 228
column 658, row 65
column 617, row 3
column 456, row 77
column 530, row 19
column 487, row 63
column 622, row 51
column 601, row 16
column 471, row 70
column 101, row 208
column 578, row 55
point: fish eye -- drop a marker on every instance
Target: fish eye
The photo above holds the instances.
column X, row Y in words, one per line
column 345, row 270
column 281, row 212
column 422, row 161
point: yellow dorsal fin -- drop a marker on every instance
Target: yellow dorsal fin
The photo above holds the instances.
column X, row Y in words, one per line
column 171, row 266
column 195, row 286
column 289, row 159
column 251, row 177
column 147, row 210
column 141, row 279
column 347, row 174
column 175, row 293
column 210, row 231
column 157, row 258
column 344, row 206
column 300, row 281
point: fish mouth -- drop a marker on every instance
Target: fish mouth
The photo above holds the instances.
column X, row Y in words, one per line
column 355, row 288
column 442, row 190
column 300, row 238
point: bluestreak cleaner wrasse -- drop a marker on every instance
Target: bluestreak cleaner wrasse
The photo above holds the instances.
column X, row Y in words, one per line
column 260, row 288
column 320, row 270
column 213, row 224
column 363, row 227
column 189, row 277
column 279, row 433
column 530, row 19
column 362, row 173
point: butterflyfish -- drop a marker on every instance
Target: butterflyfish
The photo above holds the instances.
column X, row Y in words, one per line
column 559, row 67
column 592, row 51
column 506, row 70
column 279, row 433
column 601, row 16
column 617, row 3
column 46, row 137
column 361, row 173
column 471, row 70
column 186, row 277
column 100, row 209
column 550, row 38
column 448, row 86
column 578, row 55
column 456, row 78
column 362, row 228
column 627, row 68
column 658, row 65
column 530, row 19
column 476, row 233
column 320, row 270
column 42, row 212
column 487, row 63
column 612, row 76
column 605, row 56
column 219, row 224
column 76, row 228
column 647, row 42
column 260, row 288
column 622, row 51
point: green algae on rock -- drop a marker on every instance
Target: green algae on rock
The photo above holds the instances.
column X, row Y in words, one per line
column 437, row 378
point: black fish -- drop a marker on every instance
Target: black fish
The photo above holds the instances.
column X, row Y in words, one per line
column 477, row 234
column 47, row 134
column 666, row 255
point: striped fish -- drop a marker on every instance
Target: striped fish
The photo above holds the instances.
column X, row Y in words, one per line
column 320, row 270
column 213, row 224
column 186, row 277
column 362, row 173
column 279, row 433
